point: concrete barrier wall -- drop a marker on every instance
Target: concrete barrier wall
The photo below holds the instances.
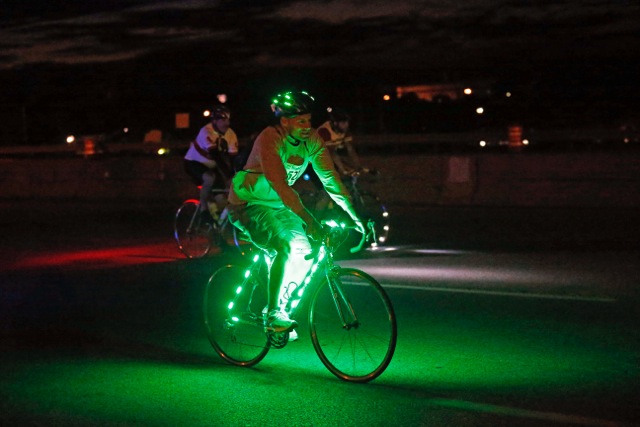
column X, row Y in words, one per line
column 517, row 179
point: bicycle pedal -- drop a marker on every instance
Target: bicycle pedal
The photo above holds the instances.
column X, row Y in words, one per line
column 278, row 339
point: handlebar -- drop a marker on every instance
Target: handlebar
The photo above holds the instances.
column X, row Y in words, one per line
column 334, row 230
column 368, row 235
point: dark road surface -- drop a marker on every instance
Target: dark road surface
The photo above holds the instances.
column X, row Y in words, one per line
column 506, row 317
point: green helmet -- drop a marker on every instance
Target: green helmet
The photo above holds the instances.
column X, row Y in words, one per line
column 291, row 104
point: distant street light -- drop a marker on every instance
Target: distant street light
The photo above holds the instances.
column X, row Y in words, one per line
column 386, row 97
column 479, row 110
column 468, row 91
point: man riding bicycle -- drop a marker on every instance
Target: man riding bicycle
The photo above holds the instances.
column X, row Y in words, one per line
column 337, row 137
column 264, row 206
column 208, row 159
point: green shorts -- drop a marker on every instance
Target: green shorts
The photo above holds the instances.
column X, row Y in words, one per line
column 271, row 228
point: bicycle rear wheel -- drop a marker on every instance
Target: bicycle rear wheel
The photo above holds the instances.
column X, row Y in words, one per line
column 192, row 236
column 353, row 326
column 236, row 334
column 371, row 208
column 234, row 239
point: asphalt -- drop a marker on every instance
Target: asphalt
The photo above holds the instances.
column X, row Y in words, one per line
column 24, row 222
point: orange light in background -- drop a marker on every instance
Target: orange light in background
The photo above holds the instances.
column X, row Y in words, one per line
column 386, row 97
column 206, row 113
column 222, row 98
column 71, row 139
column 182, row 120
column 480, row 110
column 468, row 91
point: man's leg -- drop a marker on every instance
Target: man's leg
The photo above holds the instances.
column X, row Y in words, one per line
column 288, row 265
column 208, row 179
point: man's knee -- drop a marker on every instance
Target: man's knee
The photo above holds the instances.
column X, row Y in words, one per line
column 292, row 245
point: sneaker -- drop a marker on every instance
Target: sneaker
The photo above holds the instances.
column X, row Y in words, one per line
column 278, row 321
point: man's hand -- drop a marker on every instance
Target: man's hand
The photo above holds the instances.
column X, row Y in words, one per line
column 359, row 226
column 314, row 230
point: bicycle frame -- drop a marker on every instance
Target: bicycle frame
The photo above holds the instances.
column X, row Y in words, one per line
column 356, row 348
column 322, row 268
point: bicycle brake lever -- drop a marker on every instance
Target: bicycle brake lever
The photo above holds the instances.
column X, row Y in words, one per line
column 365, row 237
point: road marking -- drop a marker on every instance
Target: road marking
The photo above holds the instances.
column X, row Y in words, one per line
column 503, row 293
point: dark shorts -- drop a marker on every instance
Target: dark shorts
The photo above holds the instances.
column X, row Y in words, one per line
column 271, row 228
column 196, row 169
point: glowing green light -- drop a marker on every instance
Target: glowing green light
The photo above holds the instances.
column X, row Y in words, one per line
column 314, row 268
column 247, row 273
column 307, row 280
column 300, row 292
column 235, row 319
column 331, row 223
column 256, row 258
column 230, row 306
column 295, row 303
column 239, row 290
column 385, row 214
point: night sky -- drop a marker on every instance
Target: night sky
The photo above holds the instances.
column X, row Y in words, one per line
column 101, row 55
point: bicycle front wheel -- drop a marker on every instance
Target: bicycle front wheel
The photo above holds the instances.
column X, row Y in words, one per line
column 235, row 331
column 192, row 236
column 353, row 326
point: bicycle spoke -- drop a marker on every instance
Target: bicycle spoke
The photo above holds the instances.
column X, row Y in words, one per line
column 192, row 239
column 362, row 352
column 238, row 338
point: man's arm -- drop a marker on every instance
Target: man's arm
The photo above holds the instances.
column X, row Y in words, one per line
column 324, row 167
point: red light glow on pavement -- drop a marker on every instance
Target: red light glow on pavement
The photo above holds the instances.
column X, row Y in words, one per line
column 100, row 258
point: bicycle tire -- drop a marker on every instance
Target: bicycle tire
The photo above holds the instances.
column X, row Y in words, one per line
column 360, row 353
column 234, row 239
column 192, row 237
column 371, row 208
column 241, row 342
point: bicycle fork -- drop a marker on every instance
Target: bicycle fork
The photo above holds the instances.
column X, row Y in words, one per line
column 343, row 305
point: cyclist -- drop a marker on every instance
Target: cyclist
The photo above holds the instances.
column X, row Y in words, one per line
column 337, row 137
column 264, row 206
column 208, row 160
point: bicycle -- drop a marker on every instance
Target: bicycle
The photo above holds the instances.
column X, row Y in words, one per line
column 196, row 238
column 351, row 320
column 368, row 206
